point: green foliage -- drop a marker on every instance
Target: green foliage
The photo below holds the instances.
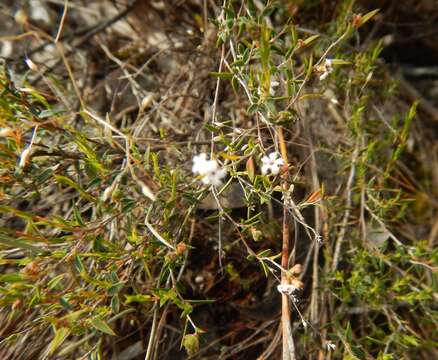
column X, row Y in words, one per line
column 100, row 235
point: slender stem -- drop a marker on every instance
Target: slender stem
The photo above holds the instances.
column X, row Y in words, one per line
column 61, row 24
column 288, row 344
column 152, row 334
column 285, row 312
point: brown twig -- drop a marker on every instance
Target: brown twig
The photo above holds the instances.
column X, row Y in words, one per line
column 288, row 343
column 61, row 24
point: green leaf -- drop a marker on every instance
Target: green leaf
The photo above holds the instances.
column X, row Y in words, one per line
column 65, row 303
column 367, row 17
column 52, row 284
column 60, row 335
column 49, row 113
column 212, row 128
column 78, row 216
column 66, row 181
column 12, row 278
column 310, row 40
column 341, row 62
column 79, row 265
column 410, row 340
column 115, row 288
column 264, row 253
column 44, row 176
column 102, row 326
column 265, row 49
column 115, row 304
column 222, row 75
column 17, row 243
column 139, row 298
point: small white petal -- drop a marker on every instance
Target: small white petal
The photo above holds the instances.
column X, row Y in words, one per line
column 323, row 75
column 273, row 156
column 199, row 162
column 265, row 169
column 222, row 173
column 215, row 181
column 24, row 157
column 272, row 163
column 287, row 289
column 266, row 160
column 146, row 191
column 208, row 167
column 274, row 83
column 330, row 345
column 206, row 180
column 272, row 87
column 210, row 171
column 31, row 64
column 200, row 157
column 275, row 169
column 107, row 193
column 216, row 177
column 279, row 162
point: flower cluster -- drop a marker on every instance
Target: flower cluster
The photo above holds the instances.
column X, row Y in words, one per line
column 287, row 289
column 210, row 171
column 272, row 163
column 330, row 346
column 325, row 69
column 212, row 174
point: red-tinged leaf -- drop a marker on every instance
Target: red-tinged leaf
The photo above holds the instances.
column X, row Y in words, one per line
column 250, row 168
column 314, row 197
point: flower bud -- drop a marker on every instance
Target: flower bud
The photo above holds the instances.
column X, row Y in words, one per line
column 296, row 269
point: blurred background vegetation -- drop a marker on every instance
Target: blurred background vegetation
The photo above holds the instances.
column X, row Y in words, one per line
column 111, row 248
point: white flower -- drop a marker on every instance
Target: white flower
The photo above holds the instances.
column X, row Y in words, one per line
column 210, row 171
column 326, row 68
column 287, row 289
column 330, row 346
column 214, row 178
column 272, row 163
column 202, row 166
column 272, row 85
